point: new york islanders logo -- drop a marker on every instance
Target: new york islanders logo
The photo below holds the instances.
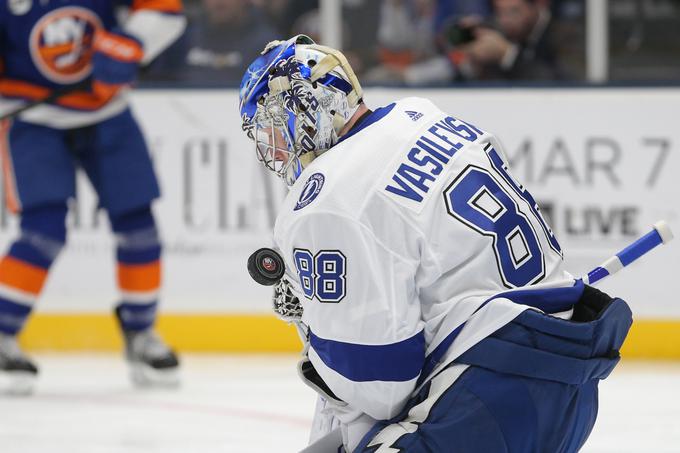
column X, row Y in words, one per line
column 310, row 190
column 61, row 44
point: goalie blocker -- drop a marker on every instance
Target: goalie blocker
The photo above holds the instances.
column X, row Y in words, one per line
column 539, row 374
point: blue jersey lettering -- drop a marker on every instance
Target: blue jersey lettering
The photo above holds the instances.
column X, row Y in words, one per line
column 426, row 159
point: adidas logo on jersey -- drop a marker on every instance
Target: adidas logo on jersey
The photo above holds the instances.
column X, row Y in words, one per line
column 415, row 116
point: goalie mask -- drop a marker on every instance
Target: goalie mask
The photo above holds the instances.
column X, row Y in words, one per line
column 294, row 101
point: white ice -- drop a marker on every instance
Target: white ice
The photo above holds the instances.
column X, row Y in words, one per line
column 239, row 403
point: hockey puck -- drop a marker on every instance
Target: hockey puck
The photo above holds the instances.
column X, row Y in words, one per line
column 266, row 266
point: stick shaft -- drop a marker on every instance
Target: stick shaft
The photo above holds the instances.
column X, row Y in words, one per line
column 56, row 94
column 661, row 234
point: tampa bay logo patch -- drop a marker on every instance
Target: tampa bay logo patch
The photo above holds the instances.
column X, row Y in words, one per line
column 310, row 190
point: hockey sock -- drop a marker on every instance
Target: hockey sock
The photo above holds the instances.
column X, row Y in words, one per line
column 24, row 269
column 139, row 268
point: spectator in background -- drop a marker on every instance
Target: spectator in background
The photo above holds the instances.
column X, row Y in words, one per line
column 282, row 14
column 405, row 31
column 218, row 44
column 358, row 40
column 407, row 44
column 518, row 46
column 514, row 43
column 446, row 9
column 405, row 38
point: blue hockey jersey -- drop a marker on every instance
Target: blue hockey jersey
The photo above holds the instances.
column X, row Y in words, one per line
column 47, row 44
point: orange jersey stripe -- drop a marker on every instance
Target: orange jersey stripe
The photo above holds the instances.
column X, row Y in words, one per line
column 117, row 46
column 84, row 100
column 19, row 89
column 81, row 100
column 139, row 277
column 166, row 6
column 23, row 276
column 9, row 181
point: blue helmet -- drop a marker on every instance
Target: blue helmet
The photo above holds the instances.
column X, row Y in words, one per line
column 294, row 100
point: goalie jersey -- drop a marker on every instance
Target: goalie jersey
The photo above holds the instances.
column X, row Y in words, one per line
column 401, row 241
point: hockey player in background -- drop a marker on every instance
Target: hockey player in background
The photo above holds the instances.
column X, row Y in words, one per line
column 89, row 51
column 436, row 311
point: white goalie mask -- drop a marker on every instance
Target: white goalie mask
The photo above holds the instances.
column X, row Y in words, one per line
column 294, row 101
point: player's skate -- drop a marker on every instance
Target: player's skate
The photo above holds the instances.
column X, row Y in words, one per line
column 17, row 371
column 152, row 362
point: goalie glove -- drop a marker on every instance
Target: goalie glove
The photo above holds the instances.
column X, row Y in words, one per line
column 115, row 59
column 285, row 304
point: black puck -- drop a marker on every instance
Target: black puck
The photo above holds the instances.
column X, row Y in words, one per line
column 266, row 266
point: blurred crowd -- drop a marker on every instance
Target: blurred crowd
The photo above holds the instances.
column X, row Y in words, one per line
column 430, row 42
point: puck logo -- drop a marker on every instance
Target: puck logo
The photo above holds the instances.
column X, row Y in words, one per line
column 269, row 264
column 310, row 191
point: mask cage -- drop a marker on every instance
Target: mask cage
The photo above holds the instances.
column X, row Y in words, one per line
column 275, row 149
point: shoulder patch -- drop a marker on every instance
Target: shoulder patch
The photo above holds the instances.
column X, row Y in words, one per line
column 310, row 191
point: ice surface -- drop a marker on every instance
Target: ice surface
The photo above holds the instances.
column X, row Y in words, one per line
column 244, row 403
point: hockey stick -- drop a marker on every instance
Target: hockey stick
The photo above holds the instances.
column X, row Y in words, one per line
column 59, row 92
column 56, row 94
column 661, row 234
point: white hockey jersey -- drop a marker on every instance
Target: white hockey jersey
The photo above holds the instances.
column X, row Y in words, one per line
column 398, row 237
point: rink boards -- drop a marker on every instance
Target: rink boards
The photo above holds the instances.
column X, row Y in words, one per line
column 649, row 338
column 602, row 163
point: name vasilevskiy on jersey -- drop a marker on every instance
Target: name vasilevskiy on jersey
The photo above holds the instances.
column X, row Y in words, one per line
column 429, row 154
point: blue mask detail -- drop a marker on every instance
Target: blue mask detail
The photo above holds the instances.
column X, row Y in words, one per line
column 256, row 78
column 277, row 60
